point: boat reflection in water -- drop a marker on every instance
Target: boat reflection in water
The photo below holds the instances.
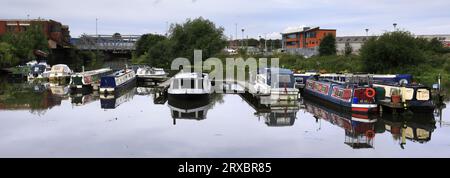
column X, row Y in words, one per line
column 189, row 109
column 80, row 99
column 112, row 101
column 158, row 94
column 34, row 97
column 416, row 127
column 59, row 90
column 275, row 113
column 359, row 128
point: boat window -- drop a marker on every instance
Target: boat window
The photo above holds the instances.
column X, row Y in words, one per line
column 408, row 93
column 176, row 84
column 423, row 94
column 284, row 78
column 200, row 83
column 422, row 134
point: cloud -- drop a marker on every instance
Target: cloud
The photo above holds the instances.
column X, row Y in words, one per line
column 349, row 17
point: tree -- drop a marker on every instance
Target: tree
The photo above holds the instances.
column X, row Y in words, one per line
column 26, row 42
column 146, row 42
column 348, row 49
column 183, row 39
column 195, row 34
column 7, row 57
column 327, row 45
column 392, row 52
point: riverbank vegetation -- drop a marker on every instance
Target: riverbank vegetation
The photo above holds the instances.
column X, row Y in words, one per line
column 18, row 48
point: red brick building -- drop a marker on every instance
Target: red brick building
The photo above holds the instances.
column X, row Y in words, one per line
column 305, row 38
column 58, row 35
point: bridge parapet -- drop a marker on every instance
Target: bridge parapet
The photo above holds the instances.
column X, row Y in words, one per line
column 115, row 43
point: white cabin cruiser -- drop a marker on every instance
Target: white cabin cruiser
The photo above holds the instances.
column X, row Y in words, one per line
column 60, row 72
column 151, row 74
column 190, row 85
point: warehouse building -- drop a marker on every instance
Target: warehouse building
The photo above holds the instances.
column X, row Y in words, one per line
column 58, row 35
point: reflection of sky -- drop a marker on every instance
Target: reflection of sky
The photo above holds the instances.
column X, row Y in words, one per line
column 143, row 129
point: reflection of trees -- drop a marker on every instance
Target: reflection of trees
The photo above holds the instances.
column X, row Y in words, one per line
column 216, row 98
column 22, row 96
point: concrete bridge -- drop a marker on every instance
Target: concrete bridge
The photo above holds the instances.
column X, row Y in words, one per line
column 115, row 43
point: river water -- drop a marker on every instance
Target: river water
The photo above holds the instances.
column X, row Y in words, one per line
column 43, row 120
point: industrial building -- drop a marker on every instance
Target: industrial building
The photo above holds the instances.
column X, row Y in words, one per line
column 355, row 42
column 58, row 35
column 304, row 41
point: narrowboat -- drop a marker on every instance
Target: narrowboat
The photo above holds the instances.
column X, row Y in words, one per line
column 190, row 85
column 277, row 83
column 300, row 79
column 415, row 97
column 151, row 74
column 350, row 96
column 360, row 129
column 60, row 73
column 381, row 78
column 112, row 101
column 117, row 80
column 88, row 79
column 39, row 71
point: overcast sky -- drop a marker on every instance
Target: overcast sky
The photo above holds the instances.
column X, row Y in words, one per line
column 257, row 17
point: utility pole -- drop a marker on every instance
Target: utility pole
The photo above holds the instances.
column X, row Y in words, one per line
column 236, row 34
column 96, row 38
column 265, row 42
column 167, row 28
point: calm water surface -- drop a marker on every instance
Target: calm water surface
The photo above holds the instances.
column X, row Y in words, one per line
column 46, row 121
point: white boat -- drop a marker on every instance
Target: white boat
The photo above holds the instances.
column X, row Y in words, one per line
column 39, row 71
column 190, row 84
column 282, row 88
column 60, row 72
column 146, row 73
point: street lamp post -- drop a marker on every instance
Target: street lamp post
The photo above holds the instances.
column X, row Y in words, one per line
column 242, row 42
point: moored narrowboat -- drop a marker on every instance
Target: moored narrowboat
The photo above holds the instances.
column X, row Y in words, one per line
column 117, row 80
column 415, row 97
column 88, row 79
column 300, row 79
column 351, row 96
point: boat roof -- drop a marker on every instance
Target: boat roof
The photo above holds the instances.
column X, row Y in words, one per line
column 190, row 75
column 280, row 70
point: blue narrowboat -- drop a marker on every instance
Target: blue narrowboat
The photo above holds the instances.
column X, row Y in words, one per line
column 381, row 78
column 350, row 96
column 117, row 80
